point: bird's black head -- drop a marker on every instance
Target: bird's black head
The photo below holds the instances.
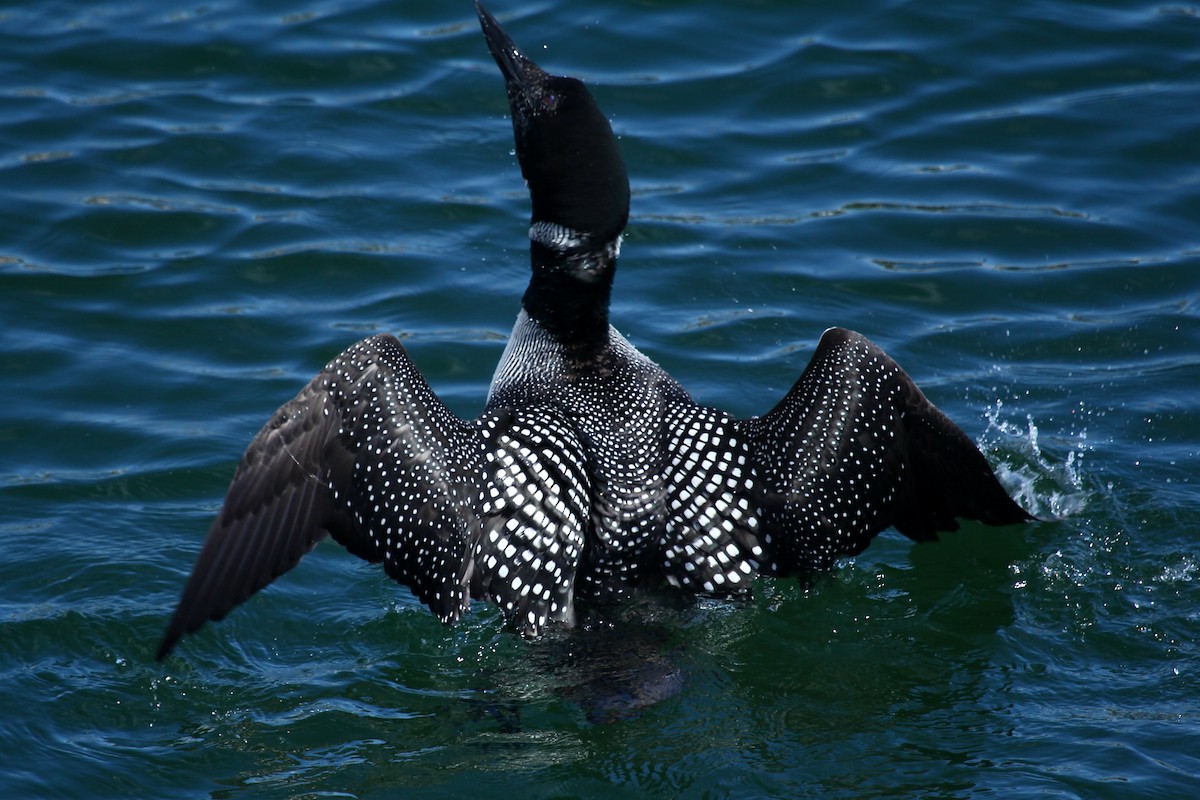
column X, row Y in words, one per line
column 567, row 150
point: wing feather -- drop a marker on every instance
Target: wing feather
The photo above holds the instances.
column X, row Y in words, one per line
column 855, row 447
column 366, row 452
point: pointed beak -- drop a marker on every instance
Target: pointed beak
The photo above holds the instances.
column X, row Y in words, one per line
column 520, row 74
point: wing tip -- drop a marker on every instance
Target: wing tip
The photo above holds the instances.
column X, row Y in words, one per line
column 169, row 640
column 175, row 631
column 1011, row 514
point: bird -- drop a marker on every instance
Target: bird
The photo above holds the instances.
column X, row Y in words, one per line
column 591, row 474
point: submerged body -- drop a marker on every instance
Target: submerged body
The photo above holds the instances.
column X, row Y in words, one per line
column 591, row 473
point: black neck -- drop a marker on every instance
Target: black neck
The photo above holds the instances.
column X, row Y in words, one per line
column 569, row 294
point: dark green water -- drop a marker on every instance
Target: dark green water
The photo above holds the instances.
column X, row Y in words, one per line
column 200, row 204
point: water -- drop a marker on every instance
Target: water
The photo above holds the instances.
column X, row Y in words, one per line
column 200, row 204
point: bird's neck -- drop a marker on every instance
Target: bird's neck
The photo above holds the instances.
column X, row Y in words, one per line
column 569, row 293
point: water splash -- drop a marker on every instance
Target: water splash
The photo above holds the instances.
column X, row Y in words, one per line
column 1046, row 481
column 1183, row 569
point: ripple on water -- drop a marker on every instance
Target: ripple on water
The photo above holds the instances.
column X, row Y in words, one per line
column 202, row 203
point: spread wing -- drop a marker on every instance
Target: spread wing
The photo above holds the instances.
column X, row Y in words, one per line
column 366, row 452
column 855, row 447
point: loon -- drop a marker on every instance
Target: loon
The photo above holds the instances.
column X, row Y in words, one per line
column 591, row 474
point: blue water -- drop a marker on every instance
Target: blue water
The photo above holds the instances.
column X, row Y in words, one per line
column 201, row 204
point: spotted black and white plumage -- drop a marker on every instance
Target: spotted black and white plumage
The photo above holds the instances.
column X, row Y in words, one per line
column 536, row 520
column 591, row 473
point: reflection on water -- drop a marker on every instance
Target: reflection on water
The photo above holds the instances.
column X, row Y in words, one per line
column 615, row 664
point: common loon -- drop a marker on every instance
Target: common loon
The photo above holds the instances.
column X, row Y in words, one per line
column 591, row 473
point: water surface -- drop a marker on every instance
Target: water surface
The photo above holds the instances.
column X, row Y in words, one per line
column 201, row 204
